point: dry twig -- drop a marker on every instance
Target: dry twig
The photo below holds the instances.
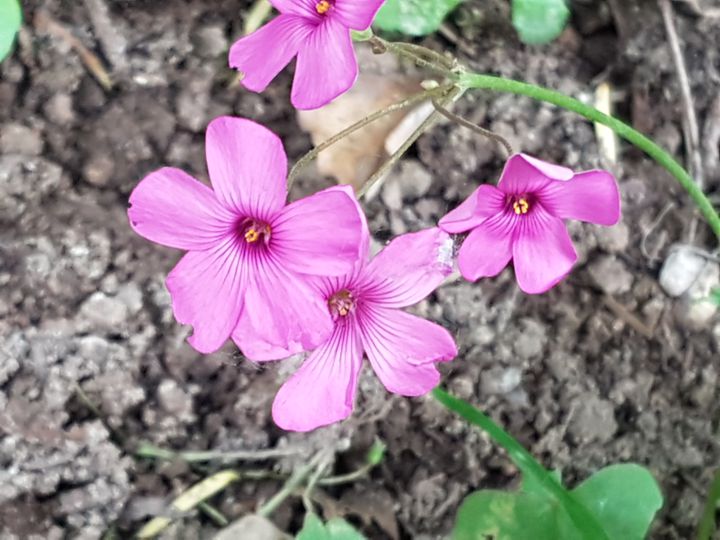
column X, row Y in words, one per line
column 46, row 24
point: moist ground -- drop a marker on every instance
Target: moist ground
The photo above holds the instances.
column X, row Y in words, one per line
column 82, row 300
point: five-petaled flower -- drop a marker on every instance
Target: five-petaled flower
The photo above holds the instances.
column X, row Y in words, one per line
column 366, row 307
column 522, row 219
column 249, row 254
column 318, row 33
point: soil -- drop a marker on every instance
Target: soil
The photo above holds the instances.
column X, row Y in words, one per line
column 92, row 361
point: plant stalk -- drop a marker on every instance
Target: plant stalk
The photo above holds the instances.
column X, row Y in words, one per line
column 581, row 517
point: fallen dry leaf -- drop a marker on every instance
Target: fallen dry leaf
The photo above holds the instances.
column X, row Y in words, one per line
column 353, row 159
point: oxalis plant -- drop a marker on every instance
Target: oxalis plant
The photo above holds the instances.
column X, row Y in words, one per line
column 283, row 279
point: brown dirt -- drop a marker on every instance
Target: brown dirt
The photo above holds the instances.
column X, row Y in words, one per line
column 82, row 298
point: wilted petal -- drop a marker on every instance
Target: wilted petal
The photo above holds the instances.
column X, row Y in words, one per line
column 172, row 208
column 408, row 268
column 543, row 253
column 320, row 235
column 526, row 174
column 488, row 248
column 590, row 196
column 247, row 166
column 306, row 8
column 403, row 349
column 484, row 202
column 357, row 14
column 322, row 391
column 283, row 314
column 326, row 66
column 264, row 53
column 206, row 288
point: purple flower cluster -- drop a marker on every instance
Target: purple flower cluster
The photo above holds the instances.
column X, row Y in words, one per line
column 280, row 279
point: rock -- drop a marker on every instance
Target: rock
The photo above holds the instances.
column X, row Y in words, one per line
column 174, row 399
column 210, row 41
column 20, row 139
column 613, row 239
column 98, row 170
column 104, row 311
column 681, row 268
column 192, row 102
column 59, row 109
column 696, row 308
column 414, row 179
column 392, row 195
column 531, row 341
column 131, row 295
column 251, row 528
column 499, row 380
column 611, row 275
column 592, row 419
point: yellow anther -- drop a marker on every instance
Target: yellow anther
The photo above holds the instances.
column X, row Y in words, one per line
column 251, row 235
column 322, row 7
column 521, row 206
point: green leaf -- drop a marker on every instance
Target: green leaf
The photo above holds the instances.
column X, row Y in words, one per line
column 376, row 453
column 335, row 529
column 313, row 529
column 339, row 529
column 715, row 296
column 539, row 21
column 414, row 17
column 531, row 484
column 624, row 498
column 503, row 515
column 10, row 21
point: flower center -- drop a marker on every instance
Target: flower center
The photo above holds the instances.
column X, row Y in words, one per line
column 521, row 206
column 253, row 230
column 323, row 6
column 341, row 304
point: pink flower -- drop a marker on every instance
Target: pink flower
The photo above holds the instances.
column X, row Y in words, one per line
column 366, row 307
column 249, row 255
column 522, row 219
column 318, row 33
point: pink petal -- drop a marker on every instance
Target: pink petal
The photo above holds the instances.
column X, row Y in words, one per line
column 408, row 269
column 306, row 8
column 207, row 292
column 321, row 234
column 357, row 14
column 525, row 174
column 484, row 202
column 326, row 66
column 403, row 349
column 247, row 166
column 543, row 253
column 488, row 248
column 589, row 196
column 322, row 391
column 264, row 53
column 172, row 208
column 283, row 315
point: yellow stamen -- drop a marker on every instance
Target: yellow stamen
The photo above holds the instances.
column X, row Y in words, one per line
column 521, row 206
column 251, row 235
column 322, row 7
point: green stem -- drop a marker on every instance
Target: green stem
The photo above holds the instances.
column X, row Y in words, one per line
column 489, row 82
column 297, row 478
column 153, row 452
column 707, row 523
column 581, row 517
